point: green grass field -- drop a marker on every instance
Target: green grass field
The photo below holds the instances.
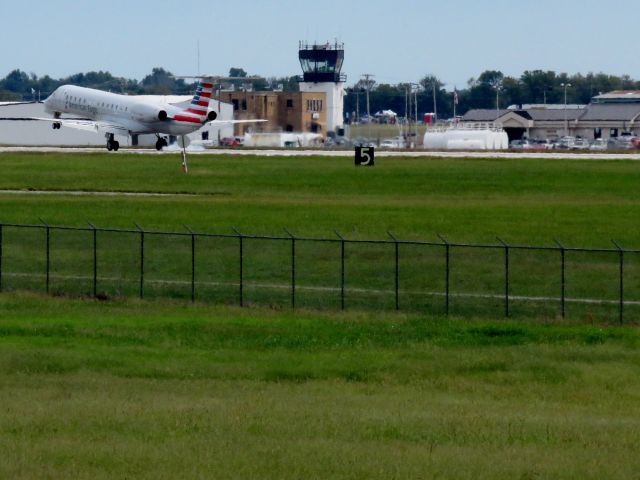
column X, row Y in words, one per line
column 163, row 388
column 170, row 390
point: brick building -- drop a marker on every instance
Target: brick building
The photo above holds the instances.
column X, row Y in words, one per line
column 284, row 111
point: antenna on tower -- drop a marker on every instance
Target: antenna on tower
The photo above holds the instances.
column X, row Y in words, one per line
column 198, row 54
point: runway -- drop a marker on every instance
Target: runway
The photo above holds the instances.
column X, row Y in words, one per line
column 338, row 153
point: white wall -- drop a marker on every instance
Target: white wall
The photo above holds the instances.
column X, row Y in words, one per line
column 335, row 100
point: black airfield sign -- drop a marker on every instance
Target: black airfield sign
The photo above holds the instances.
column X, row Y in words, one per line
column 364, row 156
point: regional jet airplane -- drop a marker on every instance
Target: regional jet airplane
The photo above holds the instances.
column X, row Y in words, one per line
column 112, row 114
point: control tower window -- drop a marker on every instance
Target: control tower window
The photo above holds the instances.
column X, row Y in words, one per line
column 321, row 63
column 314, row 105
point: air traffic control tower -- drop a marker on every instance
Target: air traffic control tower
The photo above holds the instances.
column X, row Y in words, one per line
column 321, row 66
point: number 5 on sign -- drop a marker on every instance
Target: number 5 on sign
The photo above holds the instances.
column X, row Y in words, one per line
column 364, row 156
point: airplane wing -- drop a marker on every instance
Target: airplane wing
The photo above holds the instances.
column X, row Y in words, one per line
column 233, row 122
column 78, row 124
column 10, row 104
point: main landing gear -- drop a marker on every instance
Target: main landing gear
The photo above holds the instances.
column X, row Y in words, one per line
column 56, row 125
column 111, row 143
column 162, row 142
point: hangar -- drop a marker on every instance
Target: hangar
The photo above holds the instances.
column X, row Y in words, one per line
column 607, row 116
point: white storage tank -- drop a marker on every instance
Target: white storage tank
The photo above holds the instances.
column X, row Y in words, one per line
column 466, row 139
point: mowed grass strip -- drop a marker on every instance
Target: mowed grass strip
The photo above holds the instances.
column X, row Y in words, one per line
column 166, row 390
column 583, row 203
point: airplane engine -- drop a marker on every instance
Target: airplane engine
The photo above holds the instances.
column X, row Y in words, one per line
column 149, row 113
column 211, row 116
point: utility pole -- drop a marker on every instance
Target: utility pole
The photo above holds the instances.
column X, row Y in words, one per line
column 416, row 104
column 455, row 102
column 219, row 111
column 435, row 107
column 368, row 79
column 498, row 87
column 566, row 121
column 406, row 103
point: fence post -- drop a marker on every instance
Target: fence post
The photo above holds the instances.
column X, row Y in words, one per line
column 397, row 272
column 447, row 272
column 1, row 230
column 562, row 277
column 241, row 255
column 193, row 263
column 342, row 242
column 621, row 280
column 293, row 268
column 506, row 276
column 141, row 260
column 47, row 254
column 95, row 259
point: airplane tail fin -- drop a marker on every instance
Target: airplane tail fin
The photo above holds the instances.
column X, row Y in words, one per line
column 200, row 102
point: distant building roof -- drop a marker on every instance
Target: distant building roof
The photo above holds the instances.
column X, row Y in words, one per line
column 618, row 96
column 612, row 112
column 536, row 114
column 555, row 114
column 483, row 115
column 546, row 106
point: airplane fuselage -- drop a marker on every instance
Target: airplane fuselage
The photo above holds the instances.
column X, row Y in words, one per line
column 136, row 116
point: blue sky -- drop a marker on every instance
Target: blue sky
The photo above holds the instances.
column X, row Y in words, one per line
column 397, row 40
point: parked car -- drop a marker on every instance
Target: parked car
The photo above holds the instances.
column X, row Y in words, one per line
column 580, row 144
column 337, row 142
column 547, row 144
column 363, row 142
column 566, row 142
column 535, row 145
column 598, row 144
column 397, row 142
column 519, row 144
column 231, row 142
column 621, row 143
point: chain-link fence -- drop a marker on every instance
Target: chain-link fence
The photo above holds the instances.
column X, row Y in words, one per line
column 439, row 277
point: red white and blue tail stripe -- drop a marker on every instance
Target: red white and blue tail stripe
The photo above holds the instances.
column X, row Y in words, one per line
column 198, row 109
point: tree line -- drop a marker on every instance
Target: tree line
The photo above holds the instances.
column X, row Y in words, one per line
column 19, row 85
column 535, row 86
column 490, row 89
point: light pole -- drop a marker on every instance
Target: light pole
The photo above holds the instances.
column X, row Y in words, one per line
column 435, row 106
column 566, row 121
column 498, row 87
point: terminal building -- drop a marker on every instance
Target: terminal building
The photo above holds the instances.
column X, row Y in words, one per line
column 607, row 116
